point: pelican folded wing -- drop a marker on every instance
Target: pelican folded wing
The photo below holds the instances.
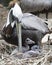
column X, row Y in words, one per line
column 30, row 21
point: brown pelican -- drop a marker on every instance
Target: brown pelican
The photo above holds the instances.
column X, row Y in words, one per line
column 33, row 27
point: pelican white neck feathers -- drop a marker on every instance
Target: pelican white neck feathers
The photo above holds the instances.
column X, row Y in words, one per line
column 17, row 12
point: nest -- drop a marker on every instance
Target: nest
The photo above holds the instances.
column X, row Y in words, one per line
column 7, row 59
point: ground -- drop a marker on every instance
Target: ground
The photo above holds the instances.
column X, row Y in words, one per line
column 3, row 16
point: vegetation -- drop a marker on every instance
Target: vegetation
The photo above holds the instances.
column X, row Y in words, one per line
column 5, row 2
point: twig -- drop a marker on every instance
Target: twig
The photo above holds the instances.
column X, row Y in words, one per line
column 42, row 59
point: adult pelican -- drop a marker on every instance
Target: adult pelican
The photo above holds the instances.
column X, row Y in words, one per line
column 33, row 27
